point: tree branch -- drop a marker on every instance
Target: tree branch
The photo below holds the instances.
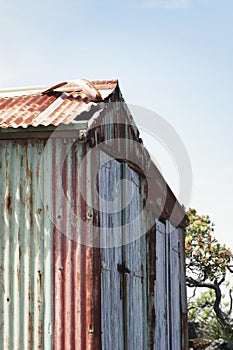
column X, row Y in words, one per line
column 231, row 302
column 222, row 317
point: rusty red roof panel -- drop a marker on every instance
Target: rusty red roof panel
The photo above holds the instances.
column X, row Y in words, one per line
column 51, row 105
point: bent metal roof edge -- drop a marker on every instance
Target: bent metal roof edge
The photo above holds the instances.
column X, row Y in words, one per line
column 51, row 105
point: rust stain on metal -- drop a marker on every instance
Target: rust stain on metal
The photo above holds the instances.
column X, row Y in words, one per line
column 39, row 210
column 28, row 170
column 151, row 258
column 8, row 202
column 18, row 277
column 40, row 281
column 29, row 328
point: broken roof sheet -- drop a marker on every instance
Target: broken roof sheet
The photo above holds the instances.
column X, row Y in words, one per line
column 51, row 105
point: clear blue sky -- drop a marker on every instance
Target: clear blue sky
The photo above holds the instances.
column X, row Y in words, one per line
column 172, row 56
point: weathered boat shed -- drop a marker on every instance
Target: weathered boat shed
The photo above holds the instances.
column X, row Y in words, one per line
column 91, row 238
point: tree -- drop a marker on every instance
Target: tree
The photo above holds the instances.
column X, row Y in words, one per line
column 207, row 264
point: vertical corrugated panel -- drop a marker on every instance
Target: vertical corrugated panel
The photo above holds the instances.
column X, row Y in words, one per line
column 123, row 294
column 25, row 249
column 161, row 335
column 111, row 279
column 73, row 280
column 175, row 300
column 62, row 248
column 135, row 261
column 168, row 333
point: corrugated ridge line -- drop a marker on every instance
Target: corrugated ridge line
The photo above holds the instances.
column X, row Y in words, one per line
column 69, row 297
column 47, row 191
column 14, row 254
column 27, row 255
column 86, row 288
column 38, row 249
column 67, row 250
column 13, row 295
column 88, row 251
column 2, row 235
column 5, row 253
column 30, row 201
column 82, row 315
column 66, row 257
column 58, row 271
column 19, row 214
column 22, row 320
column 73, row 248
column 76, row 258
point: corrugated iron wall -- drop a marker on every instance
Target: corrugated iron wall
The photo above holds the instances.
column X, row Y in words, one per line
column 26, row 296
column 46, row 277
column 74, row 326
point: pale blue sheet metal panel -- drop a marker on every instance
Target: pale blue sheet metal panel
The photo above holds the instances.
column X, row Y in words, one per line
column 25, row 249
column 123, row 278
column 161, row 331
column 174, row 286
column 111, row 280
column 135, row 257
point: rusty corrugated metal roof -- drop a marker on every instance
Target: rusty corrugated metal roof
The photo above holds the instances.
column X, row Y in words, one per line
column 51, row 105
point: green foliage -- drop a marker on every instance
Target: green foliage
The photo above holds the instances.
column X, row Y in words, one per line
column 207, row 263
column 206, row 258
column 200, row 310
